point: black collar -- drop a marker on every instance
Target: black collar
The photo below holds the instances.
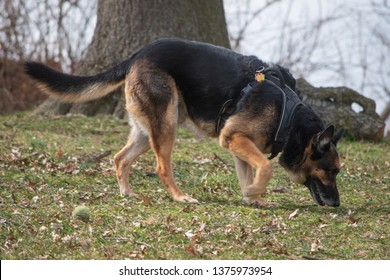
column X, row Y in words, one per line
column 290, row 102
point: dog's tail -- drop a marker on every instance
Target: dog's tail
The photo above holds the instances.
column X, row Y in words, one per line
column 77, row 89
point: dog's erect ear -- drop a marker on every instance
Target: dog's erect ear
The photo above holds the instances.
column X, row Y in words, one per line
column 337, row 136
column 321, row 143
column 325, row 138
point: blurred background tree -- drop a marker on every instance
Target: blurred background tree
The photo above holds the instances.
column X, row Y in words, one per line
column 55, row 32
column 330, row 43
column 124, row 26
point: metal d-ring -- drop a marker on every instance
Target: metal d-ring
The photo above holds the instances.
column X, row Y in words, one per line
column 260, row 69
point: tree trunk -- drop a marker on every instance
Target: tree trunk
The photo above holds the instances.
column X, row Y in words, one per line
column 124, row 26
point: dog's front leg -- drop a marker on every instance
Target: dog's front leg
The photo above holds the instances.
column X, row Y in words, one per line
column 244, row 172
column 246, row 151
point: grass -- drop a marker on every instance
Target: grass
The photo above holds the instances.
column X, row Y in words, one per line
column 50, row 165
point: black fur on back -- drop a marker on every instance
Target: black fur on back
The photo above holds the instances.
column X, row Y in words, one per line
column 206, row 75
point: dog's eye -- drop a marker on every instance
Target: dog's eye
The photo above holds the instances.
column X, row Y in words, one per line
column 334, row 171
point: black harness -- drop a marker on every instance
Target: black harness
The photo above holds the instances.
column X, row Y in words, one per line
column 290, row 102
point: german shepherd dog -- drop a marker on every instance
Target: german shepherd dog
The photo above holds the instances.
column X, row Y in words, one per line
column 171, row 80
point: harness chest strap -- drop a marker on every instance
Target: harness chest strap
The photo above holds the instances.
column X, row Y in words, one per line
column 229, row 107
column 291, row 102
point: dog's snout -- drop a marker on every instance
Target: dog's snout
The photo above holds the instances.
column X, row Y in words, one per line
column 333, row 202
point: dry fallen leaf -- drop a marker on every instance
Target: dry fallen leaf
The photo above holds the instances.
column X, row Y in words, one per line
column 150, row 221
column 136, row 224
column 293, row 214
column 60, row 153
column 351, row 217
column 191, row 247
column 315, row 245
column 145, row 199
column 189, row 234
column 202, row 226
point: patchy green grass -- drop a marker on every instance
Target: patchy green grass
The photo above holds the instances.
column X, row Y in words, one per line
column 48, row 166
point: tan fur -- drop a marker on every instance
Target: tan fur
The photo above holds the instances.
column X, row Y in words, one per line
column 308, row 167
column 93, row 92
column 158, row 120
column 208, row 128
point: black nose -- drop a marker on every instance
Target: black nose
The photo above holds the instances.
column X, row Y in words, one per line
column 336, row 204
column 333, row 202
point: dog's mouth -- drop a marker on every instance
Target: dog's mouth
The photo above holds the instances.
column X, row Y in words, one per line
column 322, row 194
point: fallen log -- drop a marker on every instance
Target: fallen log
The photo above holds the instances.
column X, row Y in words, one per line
column 338, row 105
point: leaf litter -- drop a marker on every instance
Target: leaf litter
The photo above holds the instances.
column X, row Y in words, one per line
column 42, row 186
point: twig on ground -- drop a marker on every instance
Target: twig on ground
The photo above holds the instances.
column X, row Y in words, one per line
column 310, row 258
column 97, row 156
column 221, row 160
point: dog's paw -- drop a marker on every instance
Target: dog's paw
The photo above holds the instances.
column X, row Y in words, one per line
column 264, row 204
column 185, row 199
column 131, row 194
column 255, row 202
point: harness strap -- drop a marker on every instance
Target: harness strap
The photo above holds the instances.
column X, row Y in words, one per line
column 229, row 107
column 290, row 102
column 220, row 120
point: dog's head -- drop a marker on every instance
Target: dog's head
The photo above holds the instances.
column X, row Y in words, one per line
column 320, row 167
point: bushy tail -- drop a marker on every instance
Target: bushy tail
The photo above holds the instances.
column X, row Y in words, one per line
column 77, row 89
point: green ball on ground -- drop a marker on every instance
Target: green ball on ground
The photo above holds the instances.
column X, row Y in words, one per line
column 82, row 213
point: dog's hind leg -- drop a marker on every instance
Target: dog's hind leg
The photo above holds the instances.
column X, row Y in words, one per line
column 152, row 97
column 162, row 146
column 138, row 143
column 162, row 138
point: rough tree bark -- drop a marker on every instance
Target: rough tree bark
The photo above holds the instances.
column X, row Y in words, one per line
column 124, row 26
